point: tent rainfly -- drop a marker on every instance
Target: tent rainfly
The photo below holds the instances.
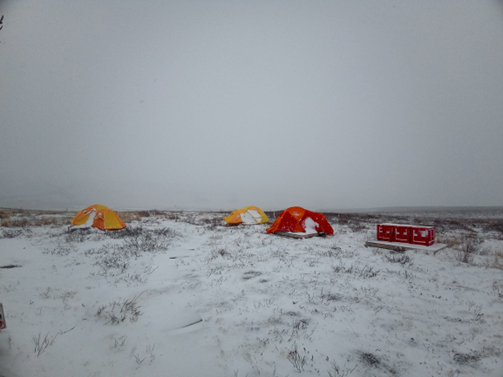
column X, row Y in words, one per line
column 300, row 220
column 98, row 216
column 248, row 216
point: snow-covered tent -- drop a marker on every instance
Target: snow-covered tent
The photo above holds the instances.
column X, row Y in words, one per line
column 300, row 220
column 248, row 216
column 98, row 216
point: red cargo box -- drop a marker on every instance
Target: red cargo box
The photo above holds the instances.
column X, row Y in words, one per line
column 3, row 324
column 401, row 233
column 423, row 235
column 385, row 232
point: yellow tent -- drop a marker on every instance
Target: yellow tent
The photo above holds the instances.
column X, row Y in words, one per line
column 98, row 216
column 248, row 216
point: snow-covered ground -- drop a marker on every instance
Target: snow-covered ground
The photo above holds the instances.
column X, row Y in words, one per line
column 183, row 295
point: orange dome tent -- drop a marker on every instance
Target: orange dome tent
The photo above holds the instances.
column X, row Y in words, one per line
column 98, row 216
column 298, row 219
column 248, row 216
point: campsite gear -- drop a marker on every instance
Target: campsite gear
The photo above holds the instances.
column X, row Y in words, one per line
column 250, row 215
column 418, row 235
column 298, row 219
column 3, row 324
column 385, row 232
column 423, row 235
column 401, row 233
column 98, row 216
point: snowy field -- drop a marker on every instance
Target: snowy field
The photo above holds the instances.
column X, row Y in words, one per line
column 179, row 294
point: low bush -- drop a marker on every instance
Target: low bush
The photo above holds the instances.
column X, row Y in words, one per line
column 364, row 272
column 497, row 262
column 298, row 361
column 77, row 235
column 467, row 250
column 373, row 361
column 11, row 233
column 139, row 239
column 41, row 344
column 398, row 258
column 494, row 225
column 61, row 249
column 129, row 216
column 118, row 311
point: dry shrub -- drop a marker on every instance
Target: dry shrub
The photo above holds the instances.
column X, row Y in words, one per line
column 172, row 216
column 454, row 224
column 356, row 222
column 25, row 222
column 357, row 226
column 462, row 242
column 5, row 216
column 45, row 221
column 494, row 225
column 398, row 258
column 20, row 223
column 498, row 261
column 468, row 249
column 297, row 360
column 118, row 311
column 128, row 216
column 11, row 233
column 453, row 242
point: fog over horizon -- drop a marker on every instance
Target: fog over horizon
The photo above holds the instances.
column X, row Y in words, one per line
column 222, row 104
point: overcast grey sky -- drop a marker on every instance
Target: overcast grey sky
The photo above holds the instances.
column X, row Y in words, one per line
column 221, row 104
